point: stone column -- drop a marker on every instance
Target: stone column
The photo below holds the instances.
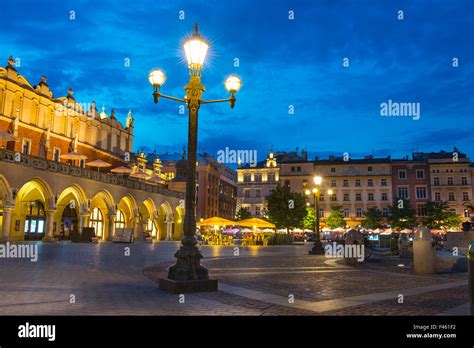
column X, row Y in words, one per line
column 6, row 223
column 111, row 227
column 424, row 257
column 49, row 233
column 169, row 228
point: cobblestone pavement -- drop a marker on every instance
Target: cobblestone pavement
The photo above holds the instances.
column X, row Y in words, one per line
column 260, row 281
column 372, row 288
column 105, row 282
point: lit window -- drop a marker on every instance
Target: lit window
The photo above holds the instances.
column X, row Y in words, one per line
column 97, row 221
column 120, row 220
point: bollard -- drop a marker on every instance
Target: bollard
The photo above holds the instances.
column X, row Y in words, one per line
column 470, row 269
column 424, row 257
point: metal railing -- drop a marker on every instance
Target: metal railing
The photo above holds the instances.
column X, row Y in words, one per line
column 67, row 169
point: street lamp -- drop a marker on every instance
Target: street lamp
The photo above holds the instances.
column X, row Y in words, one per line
column 187, row 274
column 316, row 191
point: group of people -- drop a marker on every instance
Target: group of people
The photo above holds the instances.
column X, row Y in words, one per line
column 254, row 239
column 215, row 239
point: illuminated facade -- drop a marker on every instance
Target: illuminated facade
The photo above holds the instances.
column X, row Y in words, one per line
column 44, row 196
column 255, row 184
column 360, row 184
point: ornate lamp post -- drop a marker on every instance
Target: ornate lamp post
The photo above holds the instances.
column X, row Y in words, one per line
column 187, row 274
column 318, row 246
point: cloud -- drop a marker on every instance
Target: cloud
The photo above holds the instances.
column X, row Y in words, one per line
column 281, row 63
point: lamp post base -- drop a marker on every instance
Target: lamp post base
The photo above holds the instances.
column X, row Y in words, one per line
column 317, row 248
column 188, row 275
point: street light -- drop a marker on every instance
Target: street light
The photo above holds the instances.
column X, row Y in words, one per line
column 187, row 274
column 318, row 246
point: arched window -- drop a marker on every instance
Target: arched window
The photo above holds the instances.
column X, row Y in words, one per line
column 120, row 220
column 97, row 221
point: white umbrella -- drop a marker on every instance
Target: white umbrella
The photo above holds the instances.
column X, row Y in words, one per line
column 99, row 164
column 121, row 170
column 140, row 175
column 245, row 230
column 73, row 156
column 268, row 230
column 298, row 230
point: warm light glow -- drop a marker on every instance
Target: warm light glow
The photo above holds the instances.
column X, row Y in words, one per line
column 315, row 190
column 317, row 180
column 307, row 204
column 233, row 83
column 157, row 77
column 330, row 192
column 307, row 192
column 196, row 49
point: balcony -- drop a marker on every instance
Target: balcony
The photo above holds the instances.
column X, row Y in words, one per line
column 67, row 169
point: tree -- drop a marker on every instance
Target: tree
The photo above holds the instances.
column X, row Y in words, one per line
column 243, row 214
column 336, row 217
column 402, row 215
column 310, row 218
column 373, row 218
column 439, row 216
column 286, row 209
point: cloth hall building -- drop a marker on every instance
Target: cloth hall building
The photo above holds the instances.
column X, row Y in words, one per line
column 47, row 188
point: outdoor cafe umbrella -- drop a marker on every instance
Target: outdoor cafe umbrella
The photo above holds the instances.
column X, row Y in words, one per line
column 216, row 221
column 73, row 156
column 6, row 136
column 99, row 164
column 121, row 170
column 140, row 175
column 256, row 223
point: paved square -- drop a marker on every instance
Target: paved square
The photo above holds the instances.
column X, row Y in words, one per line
column 102, row 280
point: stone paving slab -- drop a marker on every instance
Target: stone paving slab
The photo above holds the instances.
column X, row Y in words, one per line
column 426, row 303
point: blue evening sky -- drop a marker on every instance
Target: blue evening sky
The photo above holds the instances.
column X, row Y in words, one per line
column 282, row 62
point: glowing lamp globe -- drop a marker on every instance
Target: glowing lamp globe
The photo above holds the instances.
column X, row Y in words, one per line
column 233, row 84
column 195, row 48
column 157, row 77
column 317, row 180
